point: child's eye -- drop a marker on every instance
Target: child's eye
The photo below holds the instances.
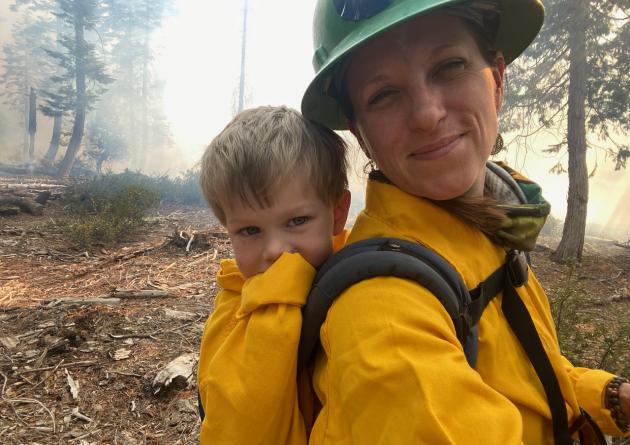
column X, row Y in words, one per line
column 249, row 231
column 298, row 221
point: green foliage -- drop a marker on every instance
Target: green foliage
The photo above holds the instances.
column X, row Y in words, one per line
column 183, row 189
column 621, row 157
column 539, row 81
column 132, row 106
column 106, row 143
column 23, row 61
column 106, row 209
column 589, row 337
column 74, row 55
column 111, row 207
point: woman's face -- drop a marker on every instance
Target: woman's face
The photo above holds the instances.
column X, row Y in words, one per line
column 425, row 106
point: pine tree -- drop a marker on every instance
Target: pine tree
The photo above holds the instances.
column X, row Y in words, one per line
column 25, row 66
column 84, row 75
column 105, row 141
column 573, row 80
column 136, row 92
column 41, row 12
column 57, row 98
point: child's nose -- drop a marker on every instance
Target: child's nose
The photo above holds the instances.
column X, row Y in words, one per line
column 275, row 248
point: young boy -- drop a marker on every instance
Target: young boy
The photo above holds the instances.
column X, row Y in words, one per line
column 277, row 183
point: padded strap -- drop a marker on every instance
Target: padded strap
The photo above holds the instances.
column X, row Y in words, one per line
column 485, row 292
column 383, row 257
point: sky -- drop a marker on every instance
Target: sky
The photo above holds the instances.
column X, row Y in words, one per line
column 198, row 52
column 199, row 58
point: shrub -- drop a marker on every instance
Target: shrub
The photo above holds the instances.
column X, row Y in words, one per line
column 589, row 337
column 110, row 207
column 553, row 226
column 106, row 209
column 183, row 189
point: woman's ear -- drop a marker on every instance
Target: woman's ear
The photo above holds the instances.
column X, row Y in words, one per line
column 340, row 212
column 498, row 74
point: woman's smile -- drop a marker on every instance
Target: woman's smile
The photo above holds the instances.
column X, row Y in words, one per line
column 435, row 150
column 429, row 121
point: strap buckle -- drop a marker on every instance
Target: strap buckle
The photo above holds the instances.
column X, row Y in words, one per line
column 517, row 268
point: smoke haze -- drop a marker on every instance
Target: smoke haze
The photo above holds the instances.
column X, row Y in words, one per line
column 197, row 62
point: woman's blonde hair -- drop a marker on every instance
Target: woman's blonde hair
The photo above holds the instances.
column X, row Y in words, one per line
column 261, row 148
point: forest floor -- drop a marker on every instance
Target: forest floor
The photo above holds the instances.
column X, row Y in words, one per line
column 78, row 359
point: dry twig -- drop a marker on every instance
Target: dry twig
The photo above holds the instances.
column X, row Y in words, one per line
column 52, row 417
column 147, row 293
column 128, row 256
column 48, row 376
column 66, row 365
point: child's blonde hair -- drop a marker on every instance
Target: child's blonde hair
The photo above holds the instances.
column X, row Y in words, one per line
column 263, row 147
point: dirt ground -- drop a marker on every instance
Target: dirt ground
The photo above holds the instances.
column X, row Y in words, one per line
column 81, row 372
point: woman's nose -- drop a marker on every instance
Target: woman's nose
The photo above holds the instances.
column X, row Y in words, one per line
column 427, row 108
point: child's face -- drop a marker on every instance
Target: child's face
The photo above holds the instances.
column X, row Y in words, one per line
column 297, row 221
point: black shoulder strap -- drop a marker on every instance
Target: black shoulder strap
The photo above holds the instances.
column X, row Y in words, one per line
column 523, row 327
column 386, row 257
column 404, row 259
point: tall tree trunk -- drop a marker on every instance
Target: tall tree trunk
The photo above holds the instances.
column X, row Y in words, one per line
column 81, row 105
column 145, row 100
column 51, row 154
column 25, row 146
column 572, row 241
column 241, row 85
column 31, row 147
column 25, row 143
column 99, row 165
column 32, row 124
column 131, row 96
column 53, row 147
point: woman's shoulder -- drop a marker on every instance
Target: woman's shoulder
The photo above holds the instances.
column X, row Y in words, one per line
column 385, row 301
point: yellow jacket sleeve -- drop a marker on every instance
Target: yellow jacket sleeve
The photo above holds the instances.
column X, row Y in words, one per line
column 397, row 373
column 590, row 385
column 247, row 366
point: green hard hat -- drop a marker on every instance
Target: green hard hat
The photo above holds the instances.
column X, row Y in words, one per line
column 339, row 26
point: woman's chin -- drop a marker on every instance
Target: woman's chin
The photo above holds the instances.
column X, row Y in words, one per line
column 443, row 191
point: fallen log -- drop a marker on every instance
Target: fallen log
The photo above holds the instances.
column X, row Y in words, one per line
column 147, row 293
column 71, row 301
column 43, row 197
column 25, row 205
column 9, row 211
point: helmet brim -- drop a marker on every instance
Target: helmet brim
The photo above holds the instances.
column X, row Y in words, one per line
column 520, row 22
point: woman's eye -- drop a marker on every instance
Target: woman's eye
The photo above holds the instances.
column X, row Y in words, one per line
column 375, row 99
column 298, row 221
column 250, row 230
column 451, row 67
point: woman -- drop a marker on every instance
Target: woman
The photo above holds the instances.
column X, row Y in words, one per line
column 420, row 84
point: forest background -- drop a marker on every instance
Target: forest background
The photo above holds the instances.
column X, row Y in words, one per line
column 162, row 77
column 108, row 253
